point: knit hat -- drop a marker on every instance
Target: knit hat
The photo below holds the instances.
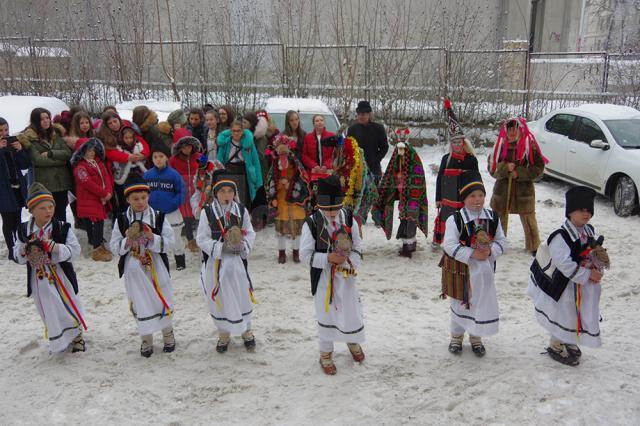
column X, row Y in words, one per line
column 330, row 195
column 37, row 194
column 140, row 113
column 180, row 133
column 470, row 181
column 177, row 116
column 136, row 187
column 363, row 106
column 220, row 179
column 578, row 198
column 161, row 147
column 81, row 149
column 455, row 130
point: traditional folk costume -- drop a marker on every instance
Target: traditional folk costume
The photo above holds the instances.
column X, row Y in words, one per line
column 337, row 302
column 226, row 237
column 565, row 299
column 467, row 281
column 288, row 191
column 517, row 195
column 48, row 252
column 145, row 267
column 403, row 181
column 459, row 159
column 358, row 183
column 202, row 184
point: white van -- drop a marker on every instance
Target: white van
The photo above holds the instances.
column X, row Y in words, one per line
column 306, row 109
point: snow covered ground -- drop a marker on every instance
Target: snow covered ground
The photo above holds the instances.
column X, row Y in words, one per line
column 407, row 378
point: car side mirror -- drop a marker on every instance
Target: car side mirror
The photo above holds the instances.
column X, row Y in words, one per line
column 599, row 144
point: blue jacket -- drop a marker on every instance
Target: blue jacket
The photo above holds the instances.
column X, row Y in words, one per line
column 167, row 189
column 11, row 164
column 249, row 154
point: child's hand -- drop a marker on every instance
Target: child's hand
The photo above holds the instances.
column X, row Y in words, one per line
column 595, row 276
column 481, row 253
column 336, row 259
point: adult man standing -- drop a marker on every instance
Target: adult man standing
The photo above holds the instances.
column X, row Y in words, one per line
column 371, row 137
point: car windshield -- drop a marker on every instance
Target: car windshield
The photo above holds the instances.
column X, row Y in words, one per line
column 306, row 122
column 626, row 132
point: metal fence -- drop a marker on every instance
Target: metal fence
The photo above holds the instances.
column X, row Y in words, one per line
column 402, row 83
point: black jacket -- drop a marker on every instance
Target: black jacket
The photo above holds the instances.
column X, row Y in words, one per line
column 372, row 138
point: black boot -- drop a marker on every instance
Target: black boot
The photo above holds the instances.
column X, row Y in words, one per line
column 180, row 262
column 405, row 251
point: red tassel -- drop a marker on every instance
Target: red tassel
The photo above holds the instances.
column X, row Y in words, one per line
column 447, row 104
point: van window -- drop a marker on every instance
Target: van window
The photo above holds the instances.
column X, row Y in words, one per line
column 561, row 124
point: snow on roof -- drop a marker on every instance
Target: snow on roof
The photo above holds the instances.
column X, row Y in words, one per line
column 296, row 104
column 17, row 109
column 162, row 108
column 609, row 111
column 42, row 52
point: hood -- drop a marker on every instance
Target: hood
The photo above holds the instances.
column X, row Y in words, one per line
column 184, row 141
column 224, row 138
column 94, row 143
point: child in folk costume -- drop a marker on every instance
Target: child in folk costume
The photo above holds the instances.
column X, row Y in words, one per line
column 186, row 152
column 288, row 191
column 142, row 237
column 226, row 238
column 564, row 283
column 516, row 162
column 48, row 246
column 331, row 245
column 461, row 157
column 202, row 183
column 473, row 240
column 403, row 181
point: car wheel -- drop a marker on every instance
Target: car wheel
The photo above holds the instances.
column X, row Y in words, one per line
column 625, row 197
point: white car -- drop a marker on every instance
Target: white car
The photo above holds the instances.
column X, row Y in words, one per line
column 596, row 145
column 306, row 109
column 17, row 109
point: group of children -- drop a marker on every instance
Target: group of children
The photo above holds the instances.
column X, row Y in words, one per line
column 564, row 277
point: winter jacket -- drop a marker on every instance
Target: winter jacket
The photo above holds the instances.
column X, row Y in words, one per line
column 372, row 138
column 167, row 189
column 188, row 169
column 249, row 155
column 52, row 171
column 11, row 164
column 200, row 133
column 523, row 193
column 118, row 158
column 93, row 182
column 310, row 151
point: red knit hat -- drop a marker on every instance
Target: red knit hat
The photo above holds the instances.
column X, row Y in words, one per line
column 180, row 133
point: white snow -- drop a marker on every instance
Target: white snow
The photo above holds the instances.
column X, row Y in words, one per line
column 42, row 52
column 609, row 111
column 407, row 378
column 162, row 108
column 17, row 109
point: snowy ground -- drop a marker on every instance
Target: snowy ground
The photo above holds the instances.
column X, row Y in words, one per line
column 408, row 376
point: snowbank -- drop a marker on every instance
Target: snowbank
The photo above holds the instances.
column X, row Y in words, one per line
column 17, row 109
column 407, row 378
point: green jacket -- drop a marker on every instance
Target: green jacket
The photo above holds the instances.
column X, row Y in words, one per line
column 52, row 171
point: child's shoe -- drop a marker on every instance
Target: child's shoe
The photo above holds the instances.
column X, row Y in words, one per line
column 180, row 262
column 146, row 349
column 223, row 342
column 356, row 352
column 327, row 365
column 455, row 346
column 282, row 256
column 558, row 352
column 476, row 346
column 249, row 341
column 78, row 344
column 296, row 256
column 193, row 246
column 574, row 350
column 169, row 340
